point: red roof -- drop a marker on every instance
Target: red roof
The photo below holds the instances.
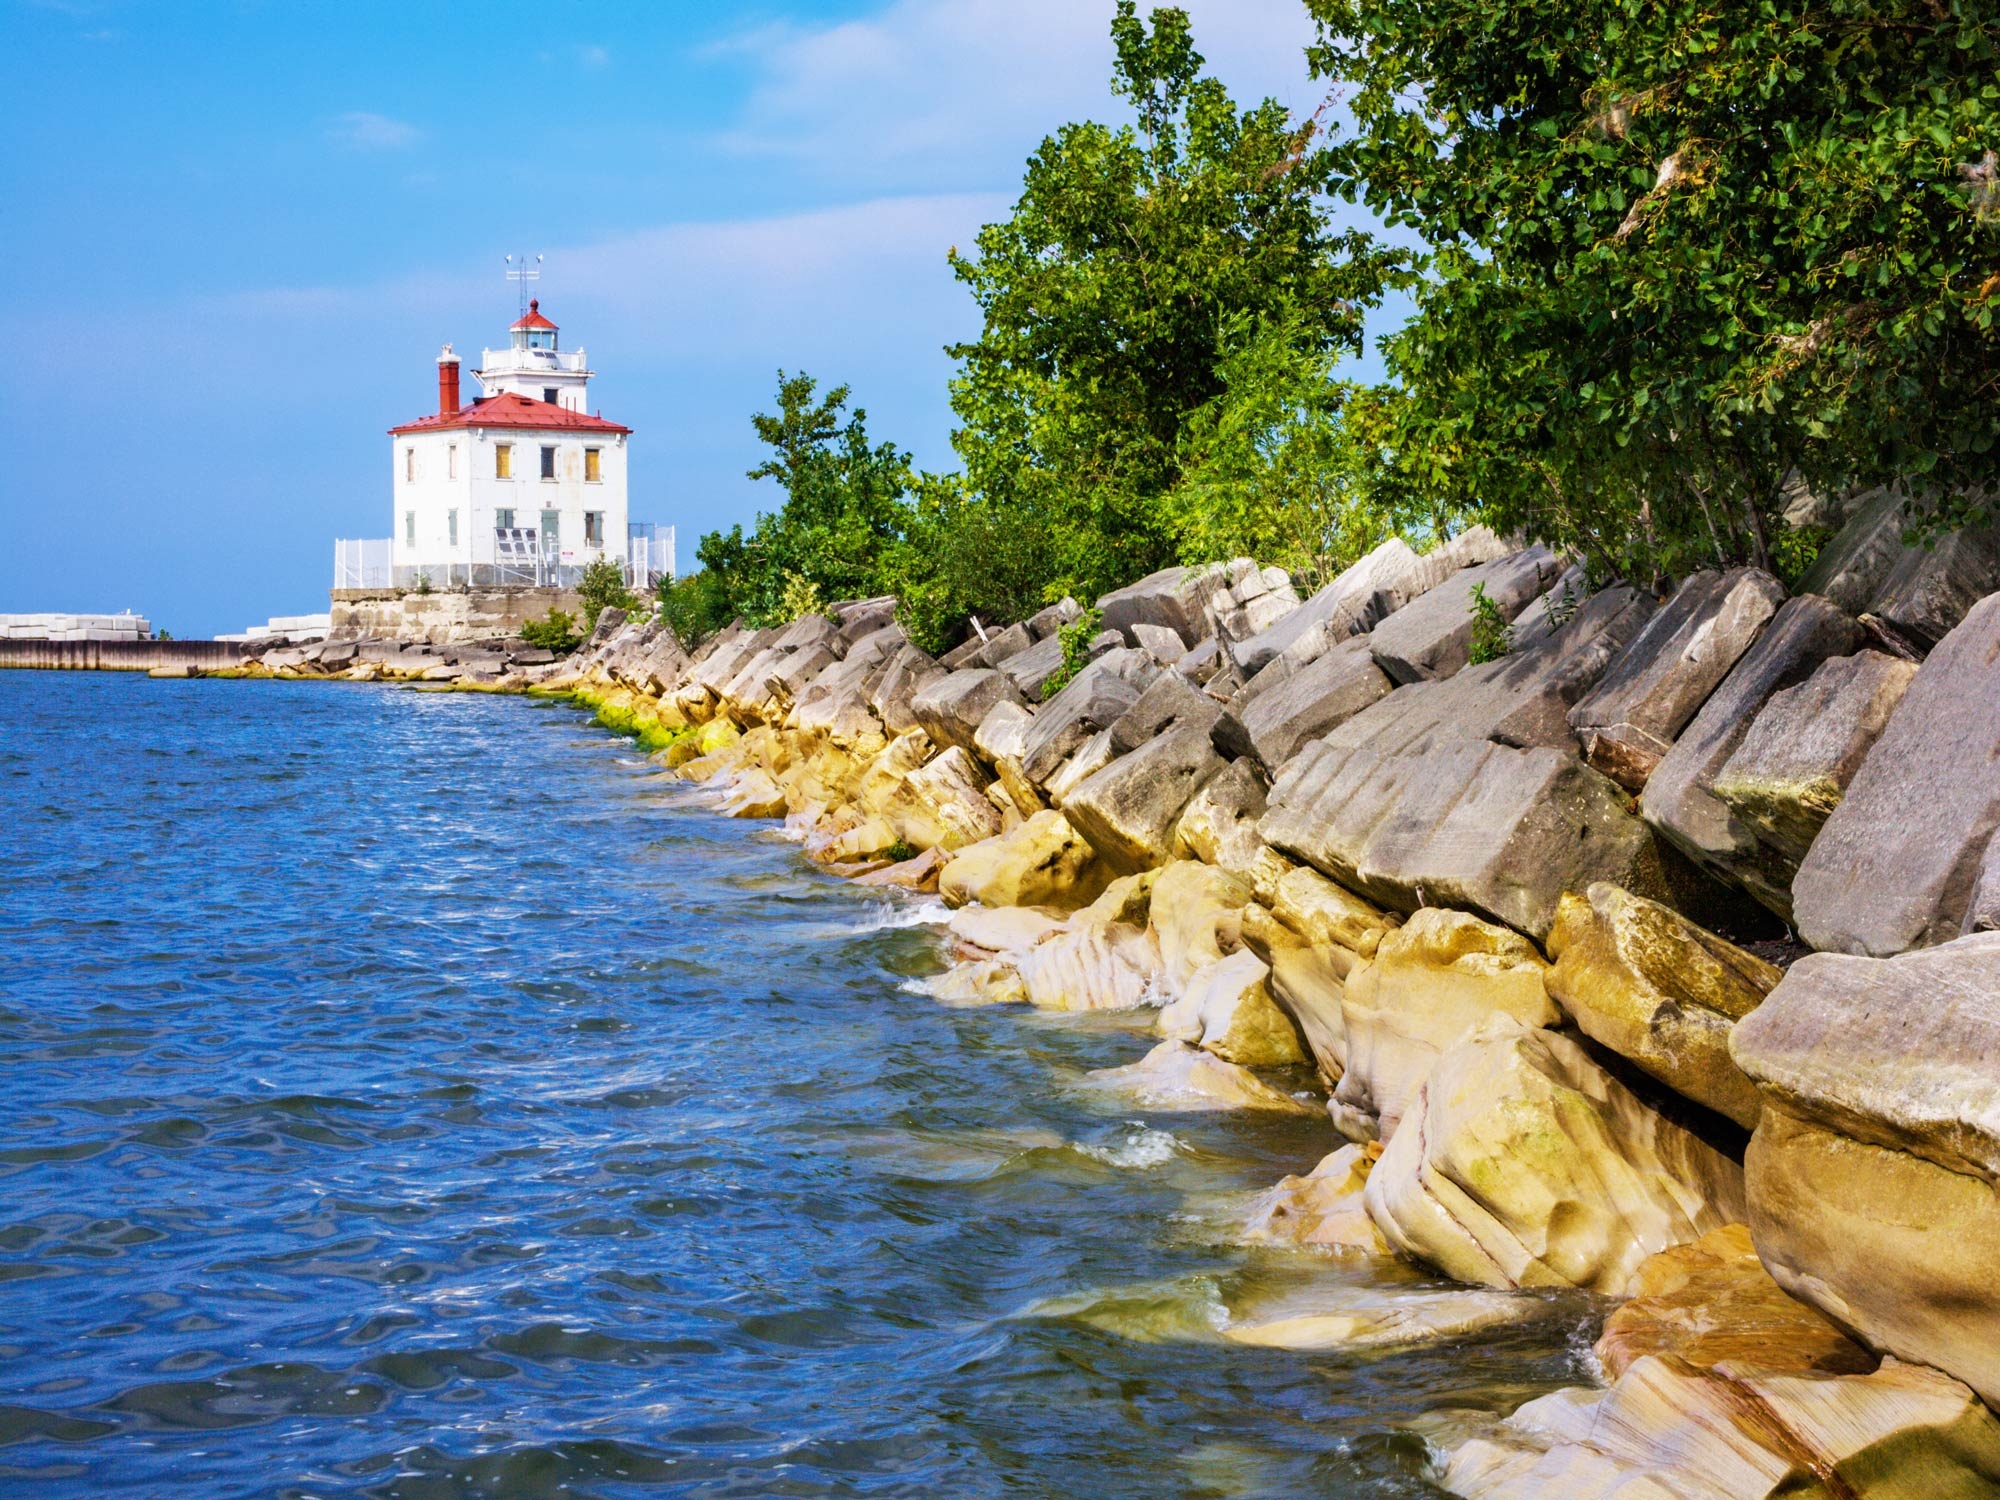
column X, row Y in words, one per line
column 534, row 319
column 511, row 411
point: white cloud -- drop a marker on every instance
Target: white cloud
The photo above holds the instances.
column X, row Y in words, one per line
column 363, row 130
column 592, row 56
column 967, row 87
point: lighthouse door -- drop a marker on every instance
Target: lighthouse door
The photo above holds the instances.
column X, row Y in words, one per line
column 551, row 545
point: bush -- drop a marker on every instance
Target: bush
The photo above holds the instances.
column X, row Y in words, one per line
column 1075, row 638
column 694, row 607
column 556, row 632
column 603, row 587
column 1492, row 636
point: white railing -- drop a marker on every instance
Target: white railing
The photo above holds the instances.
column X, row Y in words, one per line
column 649, row 554
column 363, row 564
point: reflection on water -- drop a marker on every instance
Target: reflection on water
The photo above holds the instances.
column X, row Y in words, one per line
column 414, row 1095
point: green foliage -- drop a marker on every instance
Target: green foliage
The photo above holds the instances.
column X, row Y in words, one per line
column 1676, row 250
column 603, row 587
column 555, row 632
column 899, row 851
column 1492, row 634
column 799, row 598
column 423, row 583
column 1795, row 550
column 694, row 607
column 845, row 509
column 1075, row 638
column 963, row 555
column 1111, row 296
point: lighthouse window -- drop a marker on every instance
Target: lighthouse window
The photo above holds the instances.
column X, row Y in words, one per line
column 548, row 463
column 409, row 463
column 503, row 460
column 549, row 394
column 503, row 520
column 593, row 529
column 451, row 527
column 592, row 469
column 409, row 528
column 451, row 461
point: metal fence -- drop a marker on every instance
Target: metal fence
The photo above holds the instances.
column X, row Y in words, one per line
column 519, row 561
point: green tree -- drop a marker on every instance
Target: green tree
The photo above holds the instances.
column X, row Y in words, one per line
column 1678, row 250
column 602, row 587
column 1109, row 298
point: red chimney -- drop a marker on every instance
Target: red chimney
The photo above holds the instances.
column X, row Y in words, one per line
column 447, row 383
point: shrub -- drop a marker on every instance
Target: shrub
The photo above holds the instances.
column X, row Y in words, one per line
column 602, row 587
column 1492, row 636
column 556, row 632
column 1076, row 638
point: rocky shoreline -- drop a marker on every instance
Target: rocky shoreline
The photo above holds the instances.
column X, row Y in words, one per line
column 1527, row 923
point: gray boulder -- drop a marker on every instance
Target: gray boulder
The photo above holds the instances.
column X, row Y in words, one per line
column 1128, row 810
column 1851, row 567
column 1913, row 593
column 811, row 630
column 859, row 618
column 1658, row 683
column 1895, row 866
column 1254, row 599
column 1162, row 642
column 1093, row 700
column 949, row 710
column 1031, row 669
column 1679, row 799
column 1201, row 662
column 909, row 671
column 1798, row 755
column 1003, row 644
column 1046, row 622
column 1305, row 704
column 1169, row 700
column 1174, row 597
column 1431, row 636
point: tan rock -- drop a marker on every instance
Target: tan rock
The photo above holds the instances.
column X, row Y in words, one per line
column 1872, row 1173
column 1195, row 910
column 1092, row 967
column 1175, row 1076
column 753, row 794
column 1219, row 827
column 1329, row 915
column 1523, row 1163
column 1644, row 981
column 1127, row 899
column 1712, row 1301
column 990, row 981
column 1003, row 929
column 1442, row 979
column 1322, row 1210
column 944, row 804
column 1227, row 1010
column 1307, row 982
column 1044, row 862
column 1670, row 1431
column 918, row 874
column 1382, row 1317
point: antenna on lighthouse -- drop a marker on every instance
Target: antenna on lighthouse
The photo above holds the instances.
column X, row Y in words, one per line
column 522, row 270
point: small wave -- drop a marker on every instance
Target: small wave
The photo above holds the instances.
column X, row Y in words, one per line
column 1141, row 1148
column 890, row 916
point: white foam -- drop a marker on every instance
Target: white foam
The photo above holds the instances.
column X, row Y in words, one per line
column 888, row 916
column 1141, row 1148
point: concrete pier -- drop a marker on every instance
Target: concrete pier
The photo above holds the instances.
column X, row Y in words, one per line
column 119, row 656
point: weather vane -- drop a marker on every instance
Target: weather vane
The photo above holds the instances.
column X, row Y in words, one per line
column 522, row 270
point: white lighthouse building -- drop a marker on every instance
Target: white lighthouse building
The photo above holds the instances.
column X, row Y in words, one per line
column 523, row 485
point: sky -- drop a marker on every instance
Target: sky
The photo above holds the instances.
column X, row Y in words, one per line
column 238, row 231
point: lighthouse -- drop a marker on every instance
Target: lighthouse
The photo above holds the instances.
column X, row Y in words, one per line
column 523, row 485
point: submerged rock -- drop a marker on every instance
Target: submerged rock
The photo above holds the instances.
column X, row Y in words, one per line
column 1175, row 1076
column 1321, row 1210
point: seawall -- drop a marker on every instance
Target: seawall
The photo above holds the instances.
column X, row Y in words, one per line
column 120, row 656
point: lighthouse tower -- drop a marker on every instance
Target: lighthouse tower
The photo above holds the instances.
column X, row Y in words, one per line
column 523, row 485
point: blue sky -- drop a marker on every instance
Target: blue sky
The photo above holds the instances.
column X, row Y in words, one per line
column 237, row 233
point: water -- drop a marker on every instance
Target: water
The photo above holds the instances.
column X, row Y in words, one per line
column 413, row 1095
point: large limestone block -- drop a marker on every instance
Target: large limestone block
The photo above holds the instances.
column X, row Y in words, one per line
column 1090, row 967
column 1658, row 683
column 1712, row 1302
column 1002, row 929
column 1175, row 1076
column 1195, row 916
column 1799, row 754
column 950, row 709
column 1499, row 831
column 1329, row 916
column 909, row 671
column 1309, row 984
column 1128, row 810
column 1431, row 636
column 1643, row 980
column 1321, row 1209
column 945, row 804
column 1895, row 865
column 834, row 705
column 1670, row 1431
column 1851, row 567
column 1305, row 704
column 1679, row 799
column 1003, row 645
column 810, row 630
column 859, row 618
column 1226, row 1009
column 1084, row 762
column 1522, row 1163
column 1219, row 827
column 1029, row 670
column 1253, row 599
column 1872, row 1173
column 1174, row 597
column 1092, row 701
column 1044, row 862
column 1442, row 979
column 1916, row 592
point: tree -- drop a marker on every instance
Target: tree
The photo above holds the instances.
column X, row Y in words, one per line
column 602, row 587
column 1109, row 297
column 1677, row 251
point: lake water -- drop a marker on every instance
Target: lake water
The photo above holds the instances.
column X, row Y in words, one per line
column 415, row 1095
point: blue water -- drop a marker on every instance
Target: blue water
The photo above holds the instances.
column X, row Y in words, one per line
column 414, row 1095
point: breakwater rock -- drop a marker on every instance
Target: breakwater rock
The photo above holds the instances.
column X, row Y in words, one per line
column 1516, row 930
